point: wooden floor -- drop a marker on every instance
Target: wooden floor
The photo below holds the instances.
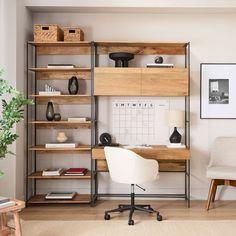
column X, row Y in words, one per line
column 170, row 210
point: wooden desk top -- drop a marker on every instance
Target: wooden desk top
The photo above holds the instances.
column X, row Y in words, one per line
column 159, row 152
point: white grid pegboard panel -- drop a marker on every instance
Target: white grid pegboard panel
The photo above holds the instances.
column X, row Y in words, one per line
column 139, row 121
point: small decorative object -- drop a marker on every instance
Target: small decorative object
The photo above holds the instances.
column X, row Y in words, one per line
column 50, row 112
column 218, row 81
column 105, row 139
column 158, row 60
column 73, row 85
column 57, row 117
column 61, row 137
column 121, row 58
column 175, row 119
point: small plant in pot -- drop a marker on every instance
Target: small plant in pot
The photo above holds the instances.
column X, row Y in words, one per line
column 12, row 112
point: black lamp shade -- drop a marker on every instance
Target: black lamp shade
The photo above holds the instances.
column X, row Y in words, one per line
column 175, row 136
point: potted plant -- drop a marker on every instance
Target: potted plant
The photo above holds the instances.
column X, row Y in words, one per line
column 12, row 112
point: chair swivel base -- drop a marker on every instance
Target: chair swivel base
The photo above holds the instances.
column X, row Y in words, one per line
column 122, row 208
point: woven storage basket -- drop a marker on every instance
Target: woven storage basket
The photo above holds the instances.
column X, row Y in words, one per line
column 47, row 33
column 73, row 34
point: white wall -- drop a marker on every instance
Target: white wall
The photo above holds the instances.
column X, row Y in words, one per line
column 16, row 24
column 212, row 38
column 8, row 62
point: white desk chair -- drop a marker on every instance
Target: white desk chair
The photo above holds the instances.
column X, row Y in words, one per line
column 222, row 166
column 127, row 167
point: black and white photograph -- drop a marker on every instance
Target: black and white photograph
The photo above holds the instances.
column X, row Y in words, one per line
column 217, row 97
column 218, row 91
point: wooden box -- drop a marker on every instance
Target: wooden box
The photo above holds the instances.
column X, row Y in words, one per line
column 73, row 34
column 47, row 33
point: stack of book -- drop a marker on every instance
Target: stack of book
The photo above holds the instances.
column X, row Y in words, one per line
column 76, row 171
column 61, row 145
column 78, row 119
column 153, row 65
column 176, row 145
column 52, row 172
column 60, row 195
column 6, row 202
column 61, row 66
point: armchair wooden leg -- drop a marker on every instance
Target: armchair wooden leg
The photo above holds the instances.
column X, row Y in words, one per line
column 214, row 192
column 213, row 187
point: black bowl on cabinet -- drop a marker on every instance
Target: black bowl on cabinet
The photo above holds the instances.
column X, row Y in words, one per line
column 121, row 58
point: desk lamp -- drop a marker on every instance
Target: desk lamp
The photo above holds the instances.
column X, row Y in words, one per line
column 175, row 120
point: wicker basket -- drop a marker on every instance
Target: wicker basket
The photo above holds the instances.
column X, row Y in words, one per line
column 47, row 33
column 73, row 34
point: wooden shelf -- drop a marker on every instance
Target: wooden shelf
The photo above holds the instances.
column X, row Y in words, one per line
column 62, row 48
column 142, row 48
column 80, row 149
column 61, row 74
column 63, row 99
column 62, row 124
column 38, row 175
column 79, row 198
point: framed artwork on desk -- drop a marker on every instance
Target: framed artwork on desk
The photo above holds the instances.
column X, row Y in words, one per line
column 217, row 95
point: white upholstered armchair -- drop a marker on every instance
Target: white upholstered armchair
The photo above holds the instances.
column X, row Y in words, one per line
column 222, row 167
column 127, row 167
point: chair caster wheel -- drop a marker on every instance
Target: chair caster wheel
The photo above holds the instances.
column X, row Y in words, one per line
column 107, row 217
column 131, row 222
column 159, row 217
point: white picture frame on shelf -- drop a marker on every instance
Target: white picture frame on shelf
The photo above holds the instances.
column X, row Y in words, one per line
column 217, row 91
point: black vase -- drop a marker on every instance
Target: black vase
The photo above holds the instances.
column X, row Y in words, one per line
column 73, row 85
column 57, row 117
column 50, row 112
column 175, row 136
column 121, row 58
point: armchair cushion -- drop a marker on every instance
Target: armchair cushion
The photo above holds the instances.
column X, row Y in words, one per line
column 221, row 172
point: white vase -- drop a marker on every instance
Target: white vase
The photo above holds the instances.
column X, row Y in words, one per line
column 61, row 137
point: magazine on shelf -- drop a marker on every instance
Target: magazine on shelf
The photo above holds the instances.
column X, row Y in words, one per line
column 4, row 199
column 7, row 204
column 60, row 195
column 153, row 65
column 78, row 119
column 61, row 145
column 61, row 66
column 76, row 171
column 52, row 171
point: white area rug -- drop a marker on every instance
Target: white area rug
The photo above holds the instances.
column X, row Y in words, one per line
column 121, row 228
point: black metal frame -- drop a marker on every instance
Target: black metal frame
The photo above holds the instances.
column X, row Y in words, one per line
column 31, row 185
column 201, row 64
column 186, row 194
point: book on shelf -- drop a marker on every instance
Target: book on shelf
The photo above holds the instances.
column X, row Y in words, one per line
column 60, row 195
column 4, row 199
column 61, row 145
column 49, row 93
column 153, row 65
column 7, row 204
column 61, row 66
column 78, row 119
column 52, row 171
column 76, row 171
column 176, row 145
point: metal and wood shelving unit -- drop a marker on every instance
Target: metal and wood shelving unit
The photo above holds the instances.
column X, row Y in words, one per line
column 34, row 74
column 141, row 82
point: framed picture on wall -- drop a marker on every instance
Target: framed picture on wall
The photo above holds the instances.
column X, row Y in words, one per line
column 218, row 91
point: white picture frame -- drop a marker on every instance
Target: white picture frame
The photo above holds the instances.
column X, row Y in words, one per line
column 217, row 90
